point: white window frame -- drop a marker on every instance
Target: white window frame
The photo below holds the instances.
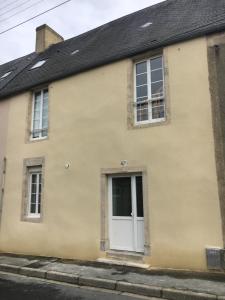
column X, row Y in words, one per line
column 40, row 137
column 149, row 100
column 32, row 171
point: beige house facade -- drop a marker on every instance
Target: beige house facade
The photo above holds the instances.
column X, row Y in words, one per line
column 108, row 177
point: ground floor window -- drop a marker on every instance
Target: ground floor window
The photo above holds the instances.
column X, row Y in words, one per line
column 35, row 186
column 33, row 180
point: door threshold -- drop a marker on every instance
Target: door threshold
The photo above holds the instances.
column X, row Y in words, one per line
column 125, row 255
column 124, row 258
column 123, row 263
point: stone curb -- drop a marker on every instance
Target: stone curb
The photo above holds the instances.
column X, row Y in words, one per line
column 140, row 289
column 98, row 282
column 62, row 277
column 32, row 272
column 172, row 294
column 122, row 286
column 9, row 268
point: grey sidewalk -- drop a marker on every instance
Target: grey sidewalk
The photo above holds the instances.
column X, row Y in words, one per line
column 166, row 285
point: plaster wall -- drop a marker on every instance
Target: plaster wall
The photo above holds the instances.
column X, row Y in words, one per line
column 88, row 129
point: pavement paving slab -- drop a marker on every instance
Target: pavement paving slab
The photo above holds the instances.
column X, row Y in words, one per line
column 16, row 261
column 110, row 273
column 189, row 284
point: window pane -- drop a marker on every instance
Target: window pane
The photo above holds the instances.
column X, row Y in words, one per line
column 36, row 116
column 45, row 113
column 36, row 113
column 121, row 191
column 34, row 178
column 37, row 105
column 156, row 63
column 141, row 67
column 158, row 109
column 45, row 94
column 35, row 134
column 36, row 125
column 40, row 101
column 157, row 89
column 33, row 198
column 141, row 79
column 37, row 102
column 139, row 193
column 37, row 96
column 45, row 123
column 39, row 198
column 156, row 103
column 44, row 133
column 142, row 112
column 39, row 208
column 40, row 184
column 45, row 107
column 156, row 75
column 33, row 208
column 142, row 91
column 33, row 188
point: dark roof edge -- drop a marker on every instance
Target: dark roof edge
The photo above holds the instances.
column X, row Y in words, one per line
column 170, row 41
column 16, row 74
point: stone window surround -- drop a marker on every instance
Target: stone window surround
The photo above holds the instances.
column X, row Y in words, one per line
column 30, row 163
column 105, row 173
column 130, row 88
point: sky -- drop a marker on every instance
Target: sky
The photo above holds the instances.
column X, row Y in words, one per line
column 69, row 20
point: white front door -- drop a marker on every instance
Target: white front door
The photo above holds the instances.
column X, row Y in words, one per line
column 126, row 216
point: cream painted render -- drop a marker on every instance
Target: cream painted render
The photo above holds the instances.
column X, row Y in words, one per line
column 88, row 129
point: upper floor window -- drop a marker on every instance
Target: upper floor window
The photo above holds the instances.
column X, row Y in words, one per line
column 40, row 115
column 149, row 91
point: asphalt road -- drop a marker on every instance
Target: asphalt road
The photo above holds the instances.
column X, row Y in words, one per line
column 14, row 287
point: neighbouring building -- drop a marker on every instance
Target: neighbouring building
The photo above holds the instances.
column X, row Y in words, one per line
column 112, row 143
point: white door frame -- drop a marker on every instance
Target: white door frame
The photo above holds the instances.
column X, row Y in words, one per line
column 133, row 218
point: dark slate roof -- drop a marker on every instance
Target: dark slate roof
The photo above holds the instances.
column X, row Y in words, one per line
column 172, row 21
column 15, row 67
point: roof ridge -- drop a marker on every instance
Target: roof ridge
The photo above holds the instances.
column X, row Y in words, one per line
column 163, row 2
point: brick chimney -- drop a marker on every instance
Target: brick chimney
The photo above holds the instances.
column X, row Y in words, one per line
column 45, row 37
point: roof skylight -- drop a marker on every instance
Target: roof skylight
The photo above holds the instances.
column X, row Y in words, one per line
column 74, row 52
column 5, row 75
column 38, row 64
column 146, row 24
